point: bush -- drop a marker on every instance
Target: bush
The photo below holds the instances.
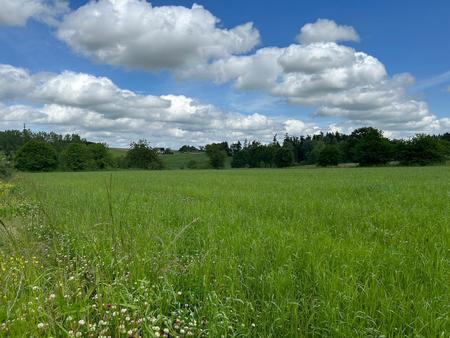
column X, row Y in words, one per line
column 142, row 156
column 369, row 147
column 329, row 155
column 77, row 157
column 283, row 157
column 216, row 155
column 5, row 168
column 100, row 156
column 422, row 150
column 36, row 156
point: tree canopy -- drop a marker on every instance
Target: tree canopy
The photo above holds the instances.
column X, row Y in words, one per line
column 36, row 156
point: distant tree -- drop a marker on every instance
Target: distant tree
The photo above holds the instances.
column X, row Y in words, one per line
column 216, row 154
column 235, row 148
column 187, row 149
column 329, row 156
column 10, row 142
column 142, row 156
column 100, row 155
column 423, row 150
column 240, row 159
column 369, row 147
column 36, row 156
column 283, row 157
column 76, row 157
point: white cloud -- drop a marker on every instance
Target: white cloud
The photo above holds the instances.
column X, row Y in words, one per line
column 324, row 30
column 17, row 12
column 336, row 80
column 134, row 34
column 14, row 82
column 95, row 107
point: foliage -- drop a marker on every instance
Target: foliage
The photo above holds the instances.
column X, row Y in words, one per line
column 77, row 157
column 36, row 156
column 283, row 157
column 329, row 156
column 423, row 150
column 187, row 149
column 142, row 156
column 370, row 147
column 100, row 156
column 217, row 154
column 5, row 168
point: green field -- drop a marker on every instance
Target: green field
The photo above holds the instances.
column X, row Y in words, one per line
column 265, row 253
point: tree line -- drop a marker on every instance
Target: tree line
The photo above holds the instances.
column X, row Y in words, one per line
column 365, row 146
column 46, row 151
column 41, row 151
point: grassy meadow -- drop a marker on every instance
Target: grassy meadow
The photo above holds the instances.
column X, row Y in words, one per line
column 357, row 252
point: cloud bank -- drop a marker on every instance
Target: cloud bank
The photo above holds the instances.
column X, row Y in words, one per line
column 345, row 87
column 97, row 108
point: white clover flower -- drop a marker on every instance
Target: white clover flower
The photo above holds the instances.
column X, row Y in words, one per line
column 52, row 296
column 81, row 322
column 166, row 330
column 41, row 326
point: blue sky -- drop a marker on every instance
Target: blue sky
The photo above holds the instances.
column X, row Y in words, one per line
column 403, row 37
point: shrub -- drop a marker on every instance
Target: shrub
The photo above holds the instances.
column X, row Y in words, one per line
column 283, row 157
column 77, row 157
column 369, row 147
column 5, row 168
column 422, row 150
column 216, row 155
column 36, row 156
column 142, row 156
column 329, row 155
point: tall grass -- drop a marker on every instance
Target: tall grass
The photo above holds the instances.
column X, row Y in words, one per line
column 326, row 252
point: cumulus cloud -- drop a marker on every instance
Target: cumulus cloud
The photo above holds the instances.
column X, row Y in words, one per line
column 97, row 108
column 17, row 12
column 324, row 30
column 14, row 82
column 134, row 34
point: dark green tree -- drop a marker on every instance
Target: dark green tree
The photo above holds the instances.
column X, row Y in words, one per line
column 370, row 147
column 100, row 156
column 77, row 157
column 216, row 154
column 283, row 157
column 423, row 150
column 329, row 156
column 36, row 156
column 142, row 156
